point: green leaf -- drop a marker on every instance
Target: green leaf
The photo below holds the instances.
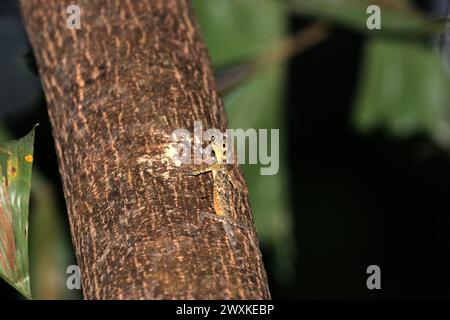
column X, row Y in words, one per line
column 404, row 90
column 49, row 243
column 16, row 158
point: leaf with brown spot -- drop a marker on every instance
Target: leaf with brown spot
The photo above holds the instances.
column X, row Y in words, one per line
column 15, row 184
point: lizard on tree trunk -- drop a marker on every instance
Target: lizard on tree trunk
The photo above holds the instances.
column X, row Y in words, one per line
column 116, row 89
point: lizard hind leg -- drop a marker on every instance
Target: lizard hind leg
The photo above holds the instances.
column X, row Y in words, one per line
column 201, row 171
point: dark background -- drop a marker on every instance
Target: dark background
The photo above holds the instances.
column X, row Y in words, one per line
column 359, row 199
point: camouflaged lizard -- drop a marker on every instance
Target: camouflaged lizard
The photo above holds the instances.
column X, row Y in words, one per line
column 222, row 177
column 224, row 188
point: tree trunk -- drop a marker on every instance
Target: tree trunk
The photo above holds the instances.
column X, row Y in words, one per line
column 116, row 89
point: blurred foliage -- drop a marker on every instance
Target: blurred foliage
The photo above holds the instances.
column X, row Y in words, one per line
column 236, row 31
column 404, row 90
column 16, row 159
column 397, row 15
column 50, row 249
column 403, row 87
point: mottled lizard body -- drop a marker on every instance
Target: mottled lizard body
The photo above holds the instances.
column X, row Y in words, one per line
column 223, row 179
column 224, row 189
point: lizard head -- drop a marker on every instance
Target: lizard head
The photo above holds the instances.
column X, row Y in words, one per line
column 219, row 147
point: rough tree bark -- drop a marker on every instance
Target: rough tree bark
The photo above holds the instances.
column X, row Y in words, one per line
column 116, row 89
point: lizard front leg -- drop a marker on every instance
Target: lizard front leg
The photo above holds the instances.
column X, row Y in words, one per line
column 204, row 170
